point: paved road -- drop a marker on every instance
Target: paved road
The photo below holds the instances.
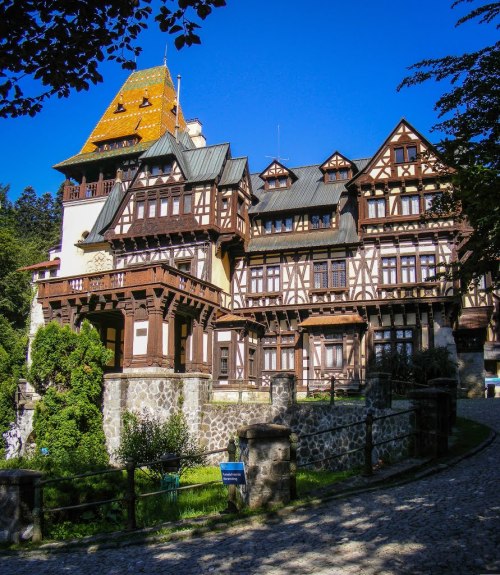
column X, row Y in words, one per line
column 446, row 524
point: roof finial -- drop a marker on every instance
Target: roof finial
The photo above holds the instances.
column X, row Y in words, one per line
column 165, row 55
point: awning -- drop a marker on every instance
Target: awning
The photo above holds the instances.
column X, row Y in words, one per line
column 345, row 319
column 55, row 263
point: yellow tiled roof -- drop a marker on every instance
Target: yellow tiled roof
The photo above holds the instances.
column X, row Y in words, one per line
column 149, row 122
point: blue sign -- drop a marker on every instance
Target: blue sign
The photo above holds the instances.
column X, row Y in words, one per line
column 233, row 473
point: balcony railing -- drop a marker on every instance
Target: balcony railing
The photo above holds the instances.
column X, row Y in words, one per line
column 132, row 278
column 87, row 190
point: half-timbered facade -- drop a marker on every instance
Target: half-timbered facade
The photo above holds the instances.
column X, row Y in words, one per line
column 188, row 263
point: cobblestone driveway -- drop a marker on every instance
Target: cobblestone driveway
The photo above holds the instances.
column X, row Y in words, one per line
column 447, row 524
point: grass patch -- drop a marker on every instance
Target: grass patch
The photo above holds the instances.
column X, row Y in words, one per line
column 312, row 480
column 467, row 435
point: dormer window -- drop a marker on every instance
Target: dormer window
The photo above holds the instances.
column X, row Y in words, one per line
column 279, row 182
column 161, row 169
column 145, row 103
column 336, row 175
column 117, row 144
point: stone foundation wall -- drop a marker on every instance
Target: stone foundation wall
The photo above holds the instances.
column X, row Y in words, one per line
column 158, row 393
column 161, row 394
column 471, row 373
column 220, row 422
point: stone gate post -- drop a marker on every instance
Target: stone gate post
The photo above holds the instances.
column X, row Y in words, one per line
column 265, row 450
column 282, row 390
column 449, row 385
column 17, row 497
column 378, row 391
column 432, row 421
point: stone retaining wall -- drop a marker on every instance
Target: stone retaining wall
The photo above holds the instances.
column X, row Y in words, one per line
column 160, row 393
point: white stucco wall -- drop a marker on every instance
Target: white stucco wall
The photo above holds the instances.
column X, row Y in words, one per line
column 78, row 217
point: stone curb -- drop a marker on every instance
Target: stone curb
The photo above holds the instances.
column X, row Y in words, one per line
column 392, row 477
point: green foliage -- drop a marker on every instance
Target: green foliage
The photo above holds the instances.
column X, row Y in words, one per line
column 408, row 370
column 60, row 44
column 67, row 369
column 145, row 439
column 470, row 116
column 431, row 363
column 12, row 357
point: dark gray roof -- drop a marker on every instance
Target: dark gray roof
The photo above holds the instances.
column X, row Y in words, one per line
column 308, row 190
column 346, row 234
column 106, row 215
column 165, row 146
column 233, row 171
column 361, row 163
column 205, row 164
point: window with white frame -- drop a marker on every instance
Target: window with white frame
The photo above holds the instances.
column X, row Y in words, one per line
column 270, row 353
column 410, row 205
column 273, row 278
column 427, row 266
column 376, row 207
column 389, row 270
column 257, row 279
column 139, row 209
column 265, row 276
column 408, row 269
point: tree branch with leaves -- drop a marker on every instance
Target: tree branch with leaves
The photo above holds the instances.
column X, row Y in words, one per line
column 51, row 48
column 469, row 113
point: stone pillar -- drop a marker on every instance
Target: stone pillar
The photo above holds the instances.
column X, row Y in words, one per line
column 282, row 390
column 378, row 391
column 432, row 421
column 17, row 494
column 449, row 385
column 265, row 450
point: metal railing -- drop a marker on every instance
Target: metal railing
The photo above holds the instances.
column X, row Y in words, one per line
column 131, row 496
column 367, row 446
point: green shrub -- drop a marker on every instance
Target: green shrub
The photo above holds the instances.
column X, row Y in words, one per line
column 431, row 363
column 67, row 370
column 145, row 439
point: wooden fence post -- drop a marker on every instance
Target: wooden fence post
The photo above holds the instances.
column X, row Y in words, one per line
column 130, row 496
column 38, row 513
column 368, row 468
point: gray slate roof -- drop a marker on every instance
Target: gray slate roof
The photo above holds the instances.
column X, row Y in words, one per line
column 106, row 215
column 308, row 190
column 346, row 234
column 233, row 171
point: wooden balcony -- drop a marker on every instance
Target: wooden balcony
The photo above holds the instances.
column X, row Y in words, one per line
column 132, row 279
column 87, row 190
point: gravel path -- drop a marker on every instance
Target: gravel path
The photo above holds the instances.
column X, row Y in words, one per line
column 445, row 524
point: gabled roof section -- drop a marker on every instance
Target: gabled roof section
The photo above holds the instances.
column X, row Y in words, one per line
column 276, row 169
column 379, row 166
column 167, row 145
column 205, row 164
column 106, row 215
column 308, row 190
column 233, row 171
column 148, row 122
column 336, row 161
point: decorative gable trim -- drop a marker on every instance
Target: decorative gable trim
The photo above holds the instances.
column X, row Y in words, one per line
column 337, row 168
column 277, row 176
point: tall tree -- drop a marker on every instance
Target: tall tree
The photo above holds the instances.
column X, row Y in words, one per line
column 60, row 43
column 470, row 117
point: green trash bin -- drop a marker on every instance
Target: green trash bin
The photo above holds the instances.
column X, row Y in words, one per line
column 170, row 482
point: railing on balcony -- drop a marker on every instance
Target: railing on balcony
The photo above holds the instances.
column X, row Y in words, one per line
column 87, row 190
column 133, row 278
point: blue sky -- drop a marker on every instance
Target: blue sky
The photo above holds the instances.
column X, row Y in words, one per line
column 324, row 71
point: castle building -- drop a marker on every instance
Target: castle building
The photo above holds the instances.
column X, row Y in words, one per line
column 188, row 263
